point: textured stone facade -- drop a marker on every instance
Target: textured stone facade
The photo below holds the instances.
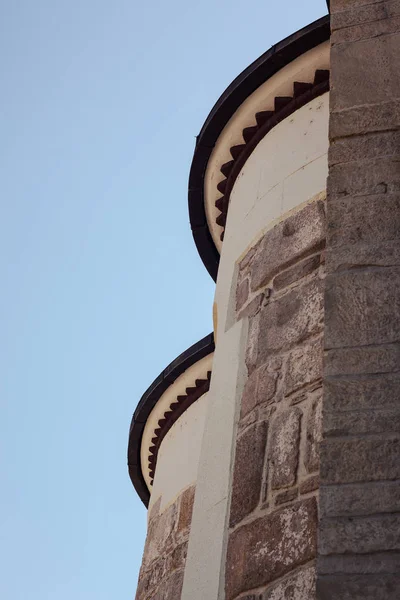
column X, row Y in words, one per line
column 272, row 542
column 164, row 557
column 360, row 452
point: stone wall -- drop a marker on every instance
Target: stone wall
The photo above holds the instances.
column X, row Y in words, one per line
column 164, row 557
column 360, row 453
column 272, row 541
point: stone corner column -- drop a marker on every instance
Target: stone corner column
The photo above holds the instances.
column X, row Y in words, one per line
column 359, row 528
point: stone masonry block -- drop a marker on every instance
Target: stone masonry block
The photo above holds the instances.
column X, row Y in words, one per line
column 354, row 460
column 242, row 294
column 363, row 31
column 366, row 72
column 171, row 588
column 284, row 448
column 186, row 509
column 300, row 586
column 363, row 254
column 247, row 475
column 362, row 147
column 270, row 546
column 361, row 422
column 304, row 366
column 363, row 360
column 360, row 499
column 372, row 12
column 287, row 242
column 365, row 119
column 380, row 392
column 314, row 435
column 297, row 272
column 260, row 387
column 364, row 178
column 363, row 220
column 290, row 319
column 343, row 535
column 350, row 587
column 362, row 307
column 378, row 562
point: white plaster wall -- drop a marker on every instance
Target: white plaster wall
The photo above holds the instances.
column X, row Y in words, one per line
column 281, row 84
column 178, row 388
column 179, row 453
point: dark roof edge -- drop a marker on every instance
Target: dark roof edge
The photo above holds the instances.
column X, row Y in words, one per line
column 150, row 398
column 269, row 63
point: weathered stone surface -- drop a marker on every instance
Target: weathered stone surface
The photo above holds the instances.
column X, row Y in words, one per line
column 360, row 220
column 270, row 547
column 284, row 457
column 360, row 499
column 356, row 460
column 159, row 538
column 374, row 392
column 289, row 320
column 362, row 308
column 374, row 176
column 364, row 360
column 361, row 147
column 382, row 587
column 247, row 476
column 314, row 436
column 309, row 485
column 300, row 586
column 378, row 562
column 253, row 307
column 296, row 272
column 355, row 13
column 177, row 558
column 363, row 254
column 287, row 242
column 344, row 535
column 364, row 119
column 242, row 293
column 286, row 496
column 304, row 366
column 252, row 343
column 364, row 31
column 186, row 509
column 260, row 387
column 171, row 588
column 361, row 422
column 366, row 71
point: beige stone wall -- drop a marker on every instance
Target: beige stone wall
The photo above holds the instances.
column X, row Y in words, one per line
column 272, row 540
column 164, row 557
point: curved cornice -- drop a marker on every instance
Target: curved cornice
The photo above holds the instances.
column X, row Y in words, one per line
column 241, row 88
column 148, row 401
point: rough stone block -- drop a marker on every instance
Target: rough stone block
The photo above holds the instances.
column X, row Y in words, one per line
column 177, row 558
column 361, row 422
column 360, row 499
column 304, row 366
column 252, row 308
column 363, row 254
column 296, row 272
column 290, row 319
column 362, row 147
column 364, row 31
column 300, row 586
column 362, row 308
column 260, row 387
column 383, row 587
column 364, row 71
column 378, row 562
column 356, row 460
column 185, row 509
column 352, row 14
column 171, row 588
column 363, row 220
column 159, row 538
column 271, row 546
column 286, row 496
column 363, row 178
column 242, row 293
column 314, row 436
column 379, row 392
column 247, row 475
column 364, row 119
column 309, row 485
column 343, row 535
column 363, row 360
column 287, row 242
column 284, row 448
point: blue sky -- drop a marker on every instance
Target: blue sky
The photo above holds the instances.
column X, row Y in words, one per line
column 101, row 282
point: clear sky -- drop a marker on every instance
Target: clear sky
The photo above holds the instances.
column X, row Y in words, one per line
column 101, row 283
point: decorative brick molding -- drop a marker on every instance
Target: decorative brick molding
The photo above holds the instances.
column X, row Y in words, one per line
column 360, row 451
column 284, row 106
column 272, row 542
column 175, row 410
column 164, row 557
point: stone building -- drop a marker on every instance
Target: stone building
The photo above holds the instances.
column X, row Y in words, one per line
column 269, row 452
